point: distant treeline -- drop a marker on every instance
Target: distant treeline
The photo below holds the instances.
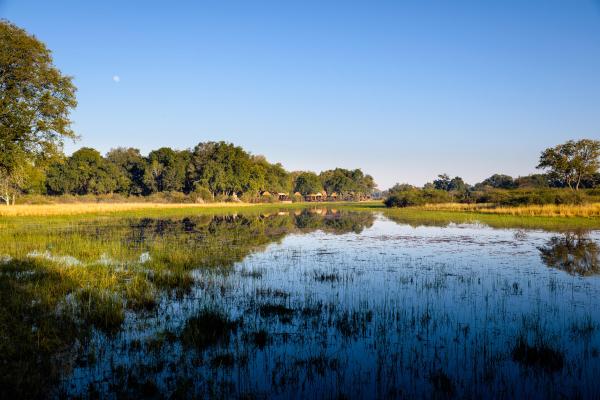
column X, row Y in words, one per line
column 572, row 165
column 209, row 171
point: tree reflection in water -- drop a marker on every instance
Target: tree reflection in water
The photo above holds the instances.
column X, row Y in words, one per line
column 572, row 252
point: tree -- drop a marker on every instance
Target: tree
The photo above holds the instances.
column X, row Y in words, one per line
column 442, row 183
column 533, row 181
column 445, row 183
column 85, row 172
column 307, row 183
column 166, row 170
column 498, row 181
column 347, row 183
column 11, row 184
column 35, row 103
column 571, row 162
column 224, row 169
column 132, row 167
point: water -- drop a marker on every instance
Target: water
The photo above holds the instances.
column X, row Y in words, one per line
column 348, row 305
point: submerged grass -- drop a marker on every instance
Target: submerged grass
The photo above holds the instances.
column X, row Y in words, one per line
column 209, row 327
column 539, row 355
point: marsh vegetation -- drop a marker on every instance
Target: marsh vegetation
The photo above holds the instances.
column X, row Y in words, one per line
column 310, row 303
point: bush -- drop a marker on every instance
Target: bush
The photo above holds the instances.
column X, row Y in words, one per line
column 408, row 196
column 518, row 197
column 201, row 195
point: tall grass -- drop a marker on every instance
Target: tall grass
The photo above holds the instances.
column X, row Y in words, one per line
column 546, row 210
column 40, row 210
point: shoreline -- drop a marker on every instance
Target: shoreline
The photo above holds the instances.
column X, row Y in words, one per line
column 420, row 215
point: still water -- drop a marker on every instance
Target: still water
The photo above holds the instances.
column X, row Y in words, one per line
column 353, row 305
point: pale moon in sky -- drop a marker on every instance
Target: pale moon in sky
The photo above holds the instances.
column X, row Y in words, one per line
column 116, row 78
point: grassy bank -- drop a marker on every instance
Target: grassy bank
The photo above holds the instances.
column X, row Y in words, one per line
column 556, row 218
column 546, row 210
column 552, row 217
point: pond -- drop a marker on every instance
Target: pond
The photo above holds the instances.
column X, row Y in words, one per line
column 316, row 303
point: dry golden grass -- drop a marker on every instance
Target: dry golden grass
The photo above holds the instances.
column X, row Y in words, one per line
column 44, row 210
column 548, row 210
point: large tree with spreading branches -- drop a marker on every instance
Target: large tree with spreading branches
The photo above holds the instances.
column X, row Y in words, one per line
column 35, row 102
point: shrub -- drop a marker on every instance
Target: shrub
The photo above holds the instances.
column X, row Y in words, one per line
column 201, row 194
column 518, row 197
column 409, row 196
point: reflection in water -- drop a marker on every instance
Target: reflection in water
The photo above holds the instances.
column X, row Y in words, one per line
column 573, row 253
column 303, row 304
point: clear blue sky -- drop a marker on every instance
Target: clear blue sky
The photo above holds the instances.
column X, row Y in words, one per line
column 403, row 89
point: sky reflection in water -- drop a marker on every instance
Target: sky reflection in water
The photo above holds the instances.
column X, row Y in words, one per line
column 390, row 311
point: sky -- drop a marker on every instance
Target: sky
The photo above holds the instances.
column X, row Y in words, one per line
column 405, row 90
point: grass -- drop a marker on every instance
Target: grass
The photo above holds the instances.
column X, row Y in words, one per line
column 208, row 328
column 579, row 217
column 546, row 210
column 47, row 210
column 155, row 209
column 540, row 355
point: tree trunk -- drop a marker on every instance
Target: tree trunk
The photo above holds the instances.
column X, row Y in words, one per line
column 569, row 184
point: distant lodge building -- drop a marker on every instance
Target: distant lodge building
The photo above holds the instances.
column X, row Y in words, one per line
column 280, row 196
column 321, row 196
column 315, row 197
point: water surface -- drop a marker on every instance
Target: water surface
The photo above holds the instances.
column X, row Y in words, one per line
column 325, row 304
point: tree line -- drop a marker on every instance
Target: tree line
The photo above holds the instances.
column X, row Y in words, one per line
column 211, row 170
column 573, row 165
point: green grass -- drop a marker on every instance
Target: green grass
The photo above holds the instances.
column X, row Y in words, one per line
column 418, row 217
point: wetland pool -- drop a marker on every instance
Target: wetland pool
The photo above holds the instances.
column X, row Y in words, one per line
column 303, row 304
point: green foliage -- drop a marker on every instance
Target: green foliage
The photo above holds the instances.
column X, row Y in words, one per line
column 572, row 162
column 202, row 193
column 86, row 171
column 517, row 197
column 533, row 181
column 132, row 166
column 498, row 181
column 445, row 183
column 307, row 183
column 35, row 103
column 347, row 183
column 406, row 195
column 222, row 168
column 166, row 170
